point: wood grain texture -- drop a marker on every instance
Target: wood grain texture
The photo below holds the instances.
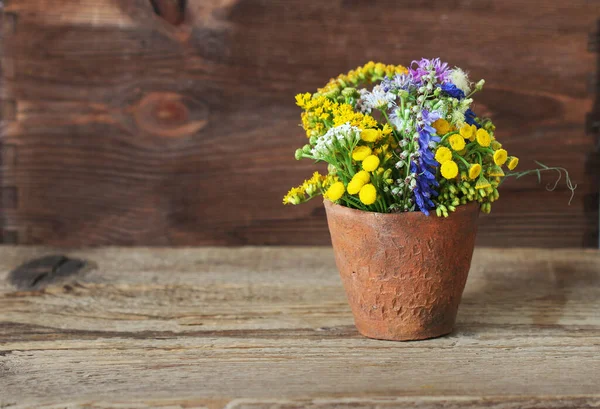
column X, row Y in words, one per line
column 270, row 328
column 125, row 129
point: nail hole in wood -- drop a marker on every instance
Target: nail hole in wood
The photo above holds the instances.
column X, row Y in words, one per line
column 172, row 11
column 41, row 272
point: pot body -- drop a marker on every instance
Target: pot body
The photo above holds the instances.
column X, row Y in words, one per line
column 404, row 273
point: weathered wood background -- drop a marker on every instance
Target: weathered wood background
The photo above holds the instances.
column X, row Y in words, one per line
column 119, row 127
column 271, row 328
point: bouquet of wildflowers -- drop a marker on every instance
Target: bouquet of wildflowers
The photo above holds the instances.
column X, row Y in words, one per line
column 401, row 139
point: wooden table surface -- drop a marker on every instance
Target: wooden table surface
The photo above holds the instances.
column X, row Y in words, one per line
column 270, row 327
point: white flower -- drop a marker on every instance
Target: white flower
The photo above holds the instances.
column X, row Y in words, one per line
column 344, row 136
column 458, row 117
column 460, row 78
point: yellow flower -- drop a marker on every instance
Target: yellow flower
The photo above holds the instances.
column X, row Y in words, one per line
column 368, row 194
column 441, row 126
column 474, row 170
column 449, row 169
column 443, row 154
column 335, row 191
column 482, row 183
column 294, row 196
column 364, row 176
column 370, row 163
column 483, row 137
column 500, row 157
column 355, row 185
column 360, row 152
column 387, row 130
column 457, row 142
column 303, row 99
column 370, row 135
column 473, row 133
column 312, row 185
column 513, row 161
column 466, row 131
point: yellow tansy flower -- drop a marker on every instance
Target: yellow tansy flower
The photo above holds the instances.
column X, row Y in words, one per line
column 368, row 194
column 364, row 176
column 473, row 133
column 370, row 163
column 449, row 169
column 441, row 126
column 457, row 142
column 483, row 137
column 500, row 157
column 443, row 154
column 355, row 185
column 466, row 131
column 474, row 170
column 513, row 161
column 335, row 191
column 360, row 152
column 370, row 135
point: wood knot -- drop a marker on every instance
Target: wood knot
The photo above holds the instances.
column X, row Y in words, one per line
column 170, row 115
column 38, row 273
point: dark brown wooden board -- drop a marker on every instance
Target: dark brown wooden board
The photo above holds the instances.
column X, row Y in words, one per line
column 121, row 128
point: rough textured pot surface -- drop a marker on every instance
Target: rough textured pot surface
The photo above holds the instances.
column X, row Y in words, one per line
column 404, row 273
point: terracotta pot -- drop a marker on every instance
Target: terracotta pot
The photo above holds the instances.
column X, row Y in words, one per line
column 404, row 273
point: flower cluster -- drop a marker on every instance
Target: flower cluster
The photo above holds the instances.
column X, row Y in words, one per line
column 401, row 139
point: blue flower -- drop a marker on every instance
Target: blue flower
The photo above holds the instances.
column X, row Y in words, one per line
column 452, row 90
column 425, row 164
column 470, row 118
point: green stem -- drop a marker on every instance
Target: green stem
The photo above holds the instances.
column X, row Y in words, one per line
column 544, row 168
column 455, row 155
column 391, row 126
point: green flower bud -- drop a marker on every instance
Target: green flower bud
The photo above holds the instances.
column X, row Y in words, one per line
column 333, row 94
column 349, row 92
column 298, row 154
column 306, row 149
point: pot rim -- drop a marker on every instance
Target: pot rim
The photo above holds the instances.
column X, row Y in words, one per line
column 413, row 216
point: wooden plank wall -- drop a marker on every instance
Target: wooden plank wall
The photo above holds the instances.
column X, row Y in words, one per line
column 121, row 128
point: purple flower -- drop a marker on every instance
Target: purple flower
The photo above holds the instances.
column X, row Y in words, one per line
column 452, row 90
column 425, row 66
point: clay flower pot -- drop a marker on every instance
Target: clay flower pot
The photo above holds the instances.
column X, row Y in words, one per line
column 404, row 273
